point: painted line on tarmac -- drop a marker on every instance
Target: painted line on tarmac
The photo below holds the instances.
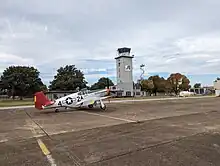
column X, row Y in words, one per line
column 110, row 117
column 44, row 149
column 16, row 107
column 3, row 140
column 36, row 131
column 157, row 99
column 46, row 152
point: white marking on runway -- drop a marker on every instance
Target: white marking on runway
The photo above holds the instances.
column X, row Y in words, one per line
column 110, row 117
column 61, row 132
column 156, row 99
column 16, row 107
column 3, row 140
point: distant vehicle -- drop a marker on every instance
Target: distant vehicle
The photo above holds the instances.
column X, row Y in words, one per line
column 74, row 100
column 186, row 94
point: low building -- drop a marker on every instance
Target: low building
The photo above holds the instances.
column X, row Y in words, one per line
column 53, row 95
column 217, row 87
column 136, row 91
column 202, row 90
column 117, row 92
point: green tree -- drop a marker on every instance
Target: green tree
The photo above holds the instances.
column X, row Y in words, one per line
column 102, row 83
column 147, row 85
column 158, row 83
column 44, row 88
column 197, row 85
column 178, row 82
column 21, row 81
column 164, row 86
column 168, row 87
column 68, row 78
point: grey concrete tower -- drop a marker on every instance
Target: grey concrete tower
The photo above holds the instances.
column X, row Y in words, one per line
column 124, row 70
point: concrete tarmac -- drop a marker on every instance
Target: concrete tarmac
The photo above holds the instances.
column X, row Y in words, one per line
column 155, row 133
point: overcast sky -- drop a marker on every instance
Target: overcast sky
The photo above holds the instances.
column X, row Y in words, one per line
column 166, row 35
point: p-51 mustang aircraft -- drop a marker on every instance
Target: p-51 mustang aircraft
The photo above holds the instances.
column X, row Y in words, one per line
column 74, row 100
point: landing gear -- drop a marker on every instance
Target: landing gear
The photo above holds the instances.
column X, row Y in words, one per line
column 90, row 106
column 103, row 107
column 56, row 110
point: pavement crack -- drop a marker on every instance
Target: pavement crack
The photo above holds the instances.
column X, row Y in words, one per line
column 177, row 116
column 147, row 147
column 44, row 131
column 75, row 160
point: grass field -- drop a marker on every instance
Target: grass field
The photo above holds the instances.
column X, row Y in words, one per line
column 8, row 103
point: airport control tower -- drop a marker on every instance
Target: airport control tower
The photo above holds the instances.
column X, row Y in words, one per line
column 124, row 70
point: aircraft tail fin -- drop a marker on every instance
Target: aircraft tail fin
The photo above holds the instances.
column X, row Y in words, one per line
column 40, row 100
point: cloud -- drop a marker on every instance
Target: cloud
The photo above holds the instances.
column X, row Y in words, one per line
column 9, row 59
column 179, row 36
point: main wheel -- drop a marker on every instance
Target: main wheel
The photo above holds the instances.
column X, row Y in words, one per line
column 56, row 110
column 90, row 106
column 103, row 108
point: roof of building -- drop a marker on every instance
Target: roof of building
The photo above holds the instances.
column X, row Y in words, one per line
column 124, row 56
column 124, row 49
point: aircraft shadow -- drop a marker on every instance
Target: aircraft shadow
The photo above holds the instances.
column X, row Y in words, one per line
column 108, row 109
column 95, row 110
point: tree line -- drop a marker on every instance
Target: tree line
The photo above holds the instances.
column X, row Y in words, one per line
column 25, row 81
column 175, row 83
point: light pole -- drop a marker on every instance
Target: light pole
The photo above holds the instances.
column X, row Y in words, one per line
column 142, row 69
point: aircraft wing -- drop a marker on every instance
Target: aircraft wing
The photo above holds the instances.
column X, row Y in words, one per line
column 90, row 100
